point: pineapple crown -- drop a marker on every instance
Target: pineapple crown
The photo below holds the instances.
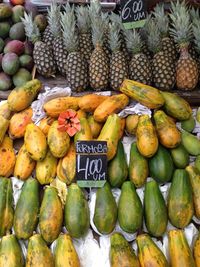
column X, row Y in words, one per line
column 196, row 33
column 114, row 37
column 134, row 42
column 162, row 19
column 94, row 9
column 153, row 36
column 54, row 19
column 70, row 35
column 181, row 29
column 83, row 19
column 194, row 14
column 31, row 29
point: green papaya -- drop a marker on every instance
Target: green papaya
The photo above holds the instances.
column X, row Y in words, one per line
column 130, row 211
column 180, row 201
column 161, row 165
column 118, row 167
column 189, row 124
column 180, row 156
column 27, row 209
column 138, row 166
column 77, row 219
column 155, row 210
column 105, row 214
column 10, row 252
column 6, row 205
column 121, row 253
column 191, row 143
column 197, row 163
column 51, row 215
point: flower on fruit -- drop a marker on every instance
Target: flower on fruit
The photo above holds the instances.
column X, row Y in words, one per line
column 68, row 122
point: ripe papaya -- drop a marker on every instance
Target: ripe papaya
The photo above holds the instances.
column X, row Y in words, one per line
column 148, row 252
column 35, row 142
column 131, row 123
column 194, row 176
column 90, row 102
column 94, row 126
column 81, row 114
column 76, row 212
column 191, row 143
column 117, row 167
column 138, row 167
column 180, row 201
column 46, row 169
column 45, row 124
column 189, row 124
column 105, row 213
column 161, row 165
column 5, row 115
column 147, row 141
column 168, row 134
column 6, row 206
column 24, row 165
column 65, row 253
column 110, row 134
column 121, row 253
column 58, row 141
column 18, row 123
column 180, row 156
column 111, row 105
column 21, row 97
column 38, row 253
column 196, row 251
column 130, row 210
column 179, row 250
column 122, row 127
column 85, row 132
column 10, row 252
column 27, row 209
column 51, row 215
column 155, row 210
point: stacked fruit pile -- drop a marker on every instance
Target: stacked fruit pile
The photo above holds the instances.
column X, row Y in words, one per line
column 161, row 151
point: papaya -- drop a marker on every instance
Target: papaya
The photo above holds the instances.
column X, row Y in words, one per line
column 168, row 134
column 38, row 253
column 148, row 252
column 121, row 253
column 27, row 209
column 94, row 126
column 35, row 142
column 197, row 163
column 176, row 106
column 5, row 115
column 18, row 123
column 198, row 115
column 111, row 105
column 5, row 111
column 189, row 124
column 180, row 201
column 45, row 124
column 90, row 102
column 105, row 213
column 65, row 253
column 196, row 251
column 179, row 250
column 130, row 210
column 131, row 123
column 191, row 143
column 21, row 97
column 161, row 166
column 118, row 167
column 46, row 169
column 122, row 127
column 194, row 176
column 24, row 165
column 110, row 134
column 85, row 132
column 142, row 93
column 147, row 141
column 180, row 156
column 66, row 169
column 138, row 167
column 51, row 215
column 58, row 141
column 155, row 210
column 54, row 107
column 6, row 206
column 76, row 212
column 10, row 252
column 7, row 157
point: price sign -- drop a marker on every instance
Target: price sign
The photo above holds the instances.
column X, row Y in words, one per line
column 91, row 163
column 133, row 13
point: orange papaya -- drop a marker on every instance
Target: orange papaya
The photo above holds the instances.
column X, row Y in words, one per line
column 90, row 102
column 45, row 124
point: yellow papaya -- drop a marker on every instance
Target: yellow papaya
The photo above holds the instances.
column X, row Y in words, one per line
column 81, row 114
column 90, row 102
column 122, row 127
column 196, row 251
column 35, row 142
column 131, row 123
column 85, row 132
column 45, row 124
column 5, row 115
column 94, row 126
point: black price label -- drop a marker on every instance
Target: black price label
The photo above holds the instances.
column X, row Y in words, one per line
column 133, row 13
column 91, row 163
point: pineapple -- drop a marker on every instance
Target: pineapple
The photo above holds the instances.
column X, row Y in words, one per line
column 77, row 72
column 48, row 37
column 59, row 50
column 187, row 69
column 139, row 66
column 84, row 26
column 163, row 67
column 42, row 53
column 196, row 33
column 118, row 66
column 106, row 46
column 195, row 17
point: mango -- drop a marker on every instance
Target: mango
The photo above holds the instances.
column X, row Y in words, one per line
column 4, row 29
column 17, row 32
column 17, row 13
column 21, row 77
column 5, row 81
column 14, row 46
column 28, row 48
column 41, row 21
column 10, row 63
column 5, row 11
column 26, row 61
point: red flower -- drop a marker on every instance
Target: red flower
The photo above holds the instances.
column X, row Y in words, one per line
column 68, row 122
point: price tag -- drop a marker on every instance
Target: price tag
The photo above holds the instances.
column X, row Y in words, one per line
column 91, row 163
column 133, row 13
